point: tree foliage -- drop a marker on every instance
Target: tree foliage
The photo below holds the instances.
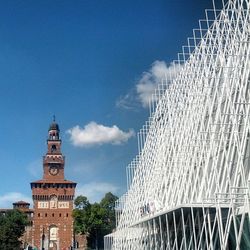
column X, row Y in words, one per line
column 108, row 203
column 81, row 202
column 81, row 214
column 12, row 227
column 95, row 220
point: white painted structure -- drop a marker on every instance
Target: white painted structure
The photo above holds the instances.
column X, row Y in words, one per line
column 189, row 186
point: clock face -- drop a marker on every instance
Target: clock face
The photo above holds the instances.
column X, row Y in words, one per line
column 53, row 170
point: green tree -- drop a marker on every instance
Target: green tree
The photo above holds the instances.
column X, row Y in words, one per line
column 97, row 224
column 95, row 220
column 108, row 203
column 81, row 202
column 12, row 227
column 81, row 215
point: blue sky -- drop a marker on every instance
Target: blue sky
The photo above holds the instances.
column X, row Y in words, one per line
column 89, row 62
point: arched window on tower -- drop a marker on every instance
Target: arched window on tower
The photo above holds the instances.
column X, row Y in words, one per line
column 53, row 148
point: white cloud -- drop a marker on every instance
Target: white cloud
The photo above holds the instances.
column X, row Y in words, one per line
column 143, row 92
column 7, row 199
column 128, row 101
column 97, row 134
column 151, row 79
column 95, row 191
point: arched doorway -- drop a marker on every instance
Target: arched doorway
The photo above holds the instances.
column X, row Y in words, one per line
column 53, row 237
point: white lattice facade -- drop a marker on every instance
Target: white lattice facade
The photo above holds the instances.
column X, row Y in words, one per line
column 189, row 186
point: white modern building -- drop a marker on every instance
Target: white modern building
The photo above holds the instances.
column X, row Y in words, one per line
column 189, row 186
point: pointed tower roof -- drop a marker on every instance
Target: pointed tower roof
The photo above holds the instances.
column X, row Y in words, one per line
column 54, row 125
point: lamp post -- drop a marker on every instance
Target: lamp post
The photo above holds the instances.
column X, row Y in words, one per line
column 74, row 239
column 43, row 238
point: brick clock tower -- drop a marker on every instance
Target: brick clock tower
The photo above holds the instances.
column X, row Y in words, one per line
column 53, row 199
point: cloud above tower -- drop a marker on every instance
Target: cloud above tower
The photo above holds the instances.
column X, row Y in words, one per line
column 143, row 92
column 150, row 80
column 97, row 134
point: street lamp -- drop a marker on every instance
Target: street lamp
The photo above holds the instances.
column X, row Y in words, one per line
column 43, row 238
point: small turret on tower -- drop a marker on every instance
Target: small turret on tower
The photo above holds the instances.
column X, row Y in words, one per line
column 54, row 131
